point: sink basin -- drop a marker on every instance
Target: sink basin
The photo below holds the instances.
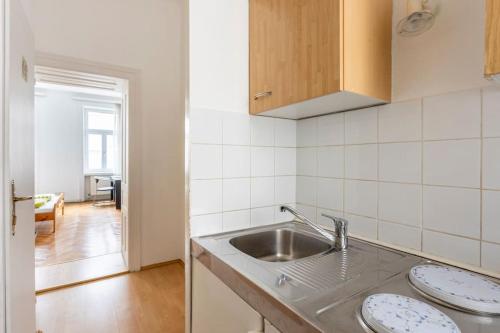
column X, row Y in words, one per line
column 280, row 245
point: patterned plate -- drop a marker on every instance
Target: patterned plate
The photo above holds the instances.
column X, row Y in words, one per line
column 458, row 287
column 390, row 313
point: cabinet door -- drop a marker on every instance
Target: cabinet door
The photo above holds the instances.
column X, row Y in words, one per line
column 492, row 65
column 295, row 51
column 217, row 309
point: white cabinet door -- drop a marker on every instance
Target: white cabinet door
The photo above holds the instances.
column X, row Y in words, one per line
column 268, row 328
column 217, row 309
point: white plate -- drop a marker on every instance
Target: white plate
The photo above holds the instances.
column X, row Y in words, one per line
column 390, row 313
column 458, row 287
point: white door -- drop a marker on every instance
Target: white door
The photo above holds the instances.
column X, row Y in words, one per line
column 124, row 183
column 20, row 239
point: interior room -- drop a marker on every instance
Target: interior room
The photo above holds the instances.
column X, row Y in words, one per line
column 250, row 166
column 78, row 169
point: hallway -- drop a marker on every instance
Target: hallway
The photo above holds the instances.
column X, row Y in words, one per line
column 149, row 301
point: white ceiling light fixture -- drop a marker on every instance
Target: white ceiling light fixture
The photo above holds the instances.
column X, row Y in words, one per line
column 421, row 17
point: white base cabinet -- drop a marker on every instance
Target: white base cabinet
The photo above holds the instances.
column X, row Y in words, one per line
column 217, row 309
column 268, row 328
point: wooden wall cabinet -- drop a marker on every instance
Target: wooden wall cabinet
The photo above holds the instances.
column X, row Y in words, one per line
column 492, row 61
column 309, row 57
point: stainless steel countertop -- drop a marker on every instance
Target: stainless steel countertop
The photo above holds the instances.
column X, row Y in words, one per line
column 322, row 293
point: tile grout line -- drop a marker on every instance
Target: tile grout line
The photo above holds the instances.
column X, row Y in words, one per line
column 421, row 174
column 378, row 172
column 481, row 155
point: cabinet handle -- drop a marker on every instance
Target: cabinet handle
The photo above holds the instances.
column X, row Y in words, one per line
column 262, row 94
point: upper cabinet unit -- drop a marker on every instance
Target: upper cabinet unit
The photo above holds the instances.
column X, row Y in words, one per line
column 311, row 57
column 492, row 63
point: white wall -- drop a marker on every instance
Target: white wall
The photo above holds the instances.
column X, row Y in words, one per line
column 218, row 55
column 59, row 142
column 447, row 58
column 59, row 145
column 146, row 36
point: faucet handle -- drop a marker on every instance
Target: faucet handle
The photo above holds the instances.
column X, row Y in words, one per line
column 341, row 225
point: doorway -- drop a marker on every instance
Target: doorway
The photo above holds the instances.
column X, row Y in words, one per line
column 81, row 150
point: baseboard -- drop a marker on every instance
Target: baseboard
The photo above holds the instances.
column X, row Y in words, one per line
column 161, row 264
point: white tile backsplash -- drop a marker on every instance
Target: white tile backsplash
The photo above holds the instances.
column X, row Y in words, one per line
column 453, row 163
column 331, row 161
column 451, row 247
column 399, row 122
column 262, row 161
column 262, row 192
column 236, row 162
column 400, row 203
column 206, row 196
column 307, row 132
column 236, row 129
column 390, row 152
column 453, row 210
column 262, row 131
column 491, row 216
column 361, row 197
column 491, row 164
column 306, row 190
column 400, row 162
column 236, row 194
column 235, row 220
column 362, row 226
column 490, row 259
column 491, row 112
column 307, row 161
column 262, row 216
column 361, row 126
column 285, row 188
column 401, row 235
column 361, row 162
column 285, row 161
column 205, row 127
column 202, row 225
column 206, row 161
column 285, row 133
column 452, row 116
column 331, row 130
column 330, row 193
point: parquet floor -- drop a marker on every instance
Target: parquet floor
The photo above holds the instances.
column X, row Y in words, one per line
column 83, row 232
column 149, row 301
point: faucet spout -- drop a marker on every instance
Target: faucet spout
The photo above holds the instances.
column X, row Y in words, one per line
column 313, row 225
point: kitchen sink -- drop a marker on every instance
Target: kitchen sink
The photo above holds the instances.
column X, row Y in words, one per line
column 280, row 245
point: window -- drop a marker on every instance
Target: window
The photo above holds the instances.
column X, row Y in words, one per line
column 99, row 140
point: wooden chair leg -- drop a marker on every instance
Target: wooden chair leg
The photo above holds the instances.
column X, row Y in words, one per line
column 54, row 226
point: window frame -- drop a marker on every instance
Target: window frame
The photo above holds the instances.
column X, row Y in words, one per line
column 104, row 133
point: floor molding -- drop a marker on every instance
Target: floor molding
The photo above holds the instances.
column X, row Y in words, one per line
column 161, row 264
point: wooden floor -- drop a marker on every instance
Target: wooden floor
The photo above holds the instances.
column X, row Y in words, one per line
column 52, row 276
column 83, row 232
column 150, row 301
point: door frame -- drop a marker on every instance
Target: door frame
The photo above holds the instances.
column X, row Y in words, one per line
column 4, row 207
column 134, row 138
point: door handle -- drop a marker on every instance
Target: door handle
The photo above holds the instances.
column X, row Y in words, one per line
column 262, row 94
column 14, row 200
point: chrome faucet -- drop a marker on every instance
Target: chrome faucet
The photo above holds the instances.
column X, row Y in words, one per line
column 340, row 238
column 340, row 231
